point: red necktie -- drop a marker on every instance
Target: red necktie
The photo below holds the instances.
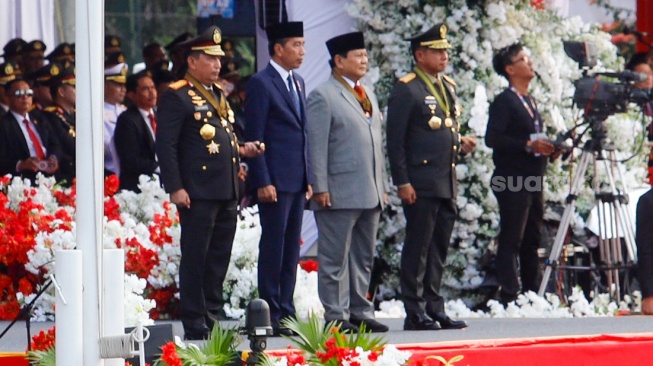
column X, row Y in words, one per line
column 153, row 122
column 37, row 144
column 359, row 89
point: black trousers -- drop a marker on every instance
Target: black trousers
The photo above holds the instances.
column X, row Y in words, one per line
column 520, row 235
column 207, row 234
column 429, row 223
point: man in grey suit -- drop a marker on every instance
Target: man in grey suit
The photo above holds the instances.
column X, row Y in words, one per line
column 349, row 184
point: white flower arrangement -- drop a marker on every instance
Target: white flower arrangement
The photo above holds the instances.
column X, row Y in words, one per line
column 476, row 30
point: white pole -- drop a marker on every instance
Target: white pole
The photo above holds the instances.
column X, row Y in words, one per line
column 68, row 315
column 113, row 307
column 89, row 65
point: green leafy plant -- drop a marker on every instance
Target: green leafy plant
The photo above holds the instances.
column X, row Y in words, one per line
column 219, row 350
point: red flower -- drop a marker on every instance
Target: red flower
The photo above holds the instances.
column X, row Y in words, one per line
column 111, row 185
column 170, row 356
column 43, row 340
column 309, row 265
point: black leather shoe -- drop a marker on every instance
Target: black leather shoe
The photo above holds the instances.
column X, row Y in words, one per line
column 420, row 322
column 345, row 326
column 278, row 331
column 195, row 333
column 370, row 324
column 446, row 322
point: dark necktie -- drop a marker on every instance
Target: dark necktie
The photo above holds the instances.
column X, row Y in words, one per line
column 293, row 93
column 35, row 140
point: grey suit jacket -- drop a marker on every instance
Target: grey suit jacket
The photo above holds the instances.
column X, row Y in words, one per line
column 345, row 149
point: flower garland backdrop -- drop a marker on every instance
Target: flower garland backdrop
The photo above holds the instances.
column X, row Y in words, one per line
column 476, row 30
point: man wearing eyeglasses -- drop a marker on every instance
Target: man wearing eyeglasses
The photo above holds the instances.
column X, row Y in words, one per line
column 515, row 131
column 27, row 143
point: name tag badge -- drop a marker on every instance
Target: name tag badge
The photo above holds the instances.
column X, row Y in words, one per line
column 430, row 100
column 201, row 108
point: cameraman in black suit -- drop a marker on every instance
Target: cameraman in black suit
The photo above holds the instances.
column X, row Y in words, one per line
column 199, row 158
column 520, row 155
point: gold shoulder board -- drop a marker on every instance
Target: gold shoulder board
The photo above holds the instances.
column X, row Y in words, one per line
column 178, row 84
column 449, row 80
column 408, row 78
column 51, row 109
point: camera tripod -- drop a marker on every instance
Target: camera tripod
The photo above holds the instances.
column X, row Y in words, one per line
column 614, row 221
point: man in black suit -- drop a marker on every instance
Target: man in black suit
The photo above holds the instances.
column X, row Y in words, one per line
column 135, row 132
column 27, row 143
column 62, row 117
column 424, row 141
column 515, row 131
column 644, row 239
column 199, row 158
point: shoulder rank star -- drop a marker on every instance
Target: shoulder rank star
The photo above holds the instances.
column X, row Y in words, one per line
column 213, row 147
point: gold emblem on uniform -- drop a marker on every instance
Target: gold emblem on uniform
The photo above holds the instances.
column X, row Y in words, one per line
column 191, row 93
column 230, row 116
column 223, row 122
column 209, row 114
column 213, row 147
column 443, row 31
column 200, row 102
column 207, row 131
column 9, row 69
column 448, row 122
column 54, row 70
column 457, row 110
column 217, row 38
column 435, row 122
column 71, row 131
column 197, row 115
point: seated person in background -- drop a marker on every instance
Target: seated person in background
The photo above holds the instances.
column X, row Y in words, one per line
column 27, row 145
column 135, row 132
column 644, row 239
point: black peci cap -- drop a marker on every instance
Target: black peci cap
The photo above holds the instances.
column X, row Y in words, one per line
column 435, row 38
column 285, row 30
column 345, row 43
column 111, row 44
column 207, row 42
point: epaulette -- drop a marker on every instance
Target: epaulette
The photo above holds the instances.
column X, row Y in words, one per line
column 51, row 109
column 449, row 80
column 178, row 84
column 408, row 77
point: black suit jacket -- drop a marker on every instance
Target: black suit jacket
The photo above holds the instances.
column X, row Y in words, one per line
column 644, row 239
column 13, row 146
column 135, row 147
column 63, row 126
column 419, row 155
column 184, row 156
column 509, row 127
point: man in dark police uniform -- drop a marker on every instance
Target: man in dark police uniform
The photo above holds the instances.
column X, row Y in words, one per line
column 423, row 146
column 199, row 159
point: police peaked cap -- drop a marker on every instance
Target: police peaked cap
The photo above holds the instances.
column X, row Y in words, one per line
column 208, row 42
column 435, row 38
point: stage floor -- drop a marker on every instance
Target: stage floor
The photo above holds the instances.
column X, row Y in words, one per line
column 479, row 329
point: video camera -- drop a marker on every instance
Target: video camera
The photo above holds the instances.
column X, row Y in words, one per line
column 598, row 98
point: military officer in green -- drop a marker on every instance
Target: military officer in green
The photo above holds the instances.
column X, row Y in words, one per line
column 423, row 140
column 62, row 117
column 198, row 155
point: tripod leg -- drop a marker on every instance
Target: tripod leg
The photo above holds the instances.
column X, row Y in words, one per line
column 558, row 243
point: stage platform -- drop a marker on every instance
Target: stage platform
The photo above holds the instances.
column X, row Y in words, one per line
column 488, row 341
